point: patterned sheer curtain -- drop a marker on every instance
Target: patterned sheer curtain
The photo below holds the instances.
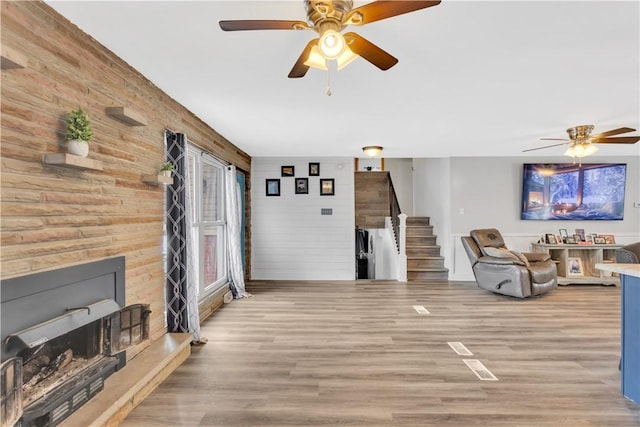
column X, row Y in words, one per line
column 234, row 223
column 182, row 291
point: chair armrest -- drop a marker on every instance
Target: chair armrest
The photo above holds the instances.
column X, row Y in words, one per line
column 536, row 256
column 499, row 261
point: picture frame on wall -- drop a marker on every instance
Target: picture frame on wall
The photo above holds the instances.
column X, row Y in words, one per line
column 574, row 267
column 272, row 187
column 327, row 187
column 287, row 170
column 314, row 169
column 302, row 185
column 551, row 239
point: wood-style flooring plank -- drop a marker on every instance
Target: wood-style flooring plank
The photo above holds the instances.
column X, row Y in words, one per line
column 358, row 354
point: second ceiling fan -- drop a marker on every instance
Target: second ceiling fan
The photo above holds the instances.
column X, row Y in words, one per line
column 329, row 18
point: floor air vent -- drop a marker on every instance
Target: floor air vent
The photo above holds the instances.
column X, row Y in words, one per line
column 480, row 370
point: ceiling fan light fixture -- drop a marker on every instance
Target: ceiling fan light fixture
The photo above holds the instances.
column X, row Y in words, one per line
column 316, row 60
column 581, row 150
column 346, row 58
column 372, row 150
column 331, row 44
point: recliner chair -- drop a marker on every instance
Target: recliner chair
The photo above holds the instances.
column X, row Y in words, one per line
column 629, row 254
column 506, row 272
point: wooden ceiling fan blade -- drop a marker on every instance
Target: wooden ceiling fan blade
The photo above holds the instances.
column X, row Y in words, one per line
column 612, row 132
column 619, row 140
column 378, row 10
column 300, row 68
column 369, row 51
column 546, row 146
column 263, row 24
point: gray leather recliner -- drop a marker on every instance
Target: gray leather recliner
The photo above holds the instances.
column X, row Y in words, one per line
column 629, row 254
column 506, row 272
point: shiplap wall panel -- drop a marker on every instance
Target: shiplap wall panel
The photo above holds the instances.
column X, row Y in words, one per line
column 54, row 216
column 291, row 240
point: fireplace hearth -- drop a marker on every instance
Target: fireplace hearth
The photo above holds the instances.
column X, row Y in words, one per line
column 63, row 334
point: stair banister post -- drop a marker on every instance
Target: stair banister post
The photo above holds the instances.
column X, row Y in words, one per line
column 402, row 245
column 402, row 240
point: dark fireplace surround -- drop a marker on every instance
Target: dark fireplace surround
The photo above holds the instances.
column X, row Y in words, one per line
column 63, row 334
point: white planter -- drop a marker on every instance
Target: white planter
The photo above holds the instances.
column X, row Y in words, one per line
column 166, row 173
column 78, row 148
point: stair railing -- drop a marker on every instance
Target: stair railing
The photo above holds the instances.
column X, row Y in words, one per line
column 399, row 225
column 394, row 211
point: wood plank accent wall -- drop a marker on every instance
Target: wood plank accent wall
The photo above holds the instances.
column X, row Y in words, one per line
column 54, row 216
column 372, row 199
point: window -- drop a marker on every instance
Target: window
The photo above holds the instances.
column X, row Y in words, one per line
column 206, row 191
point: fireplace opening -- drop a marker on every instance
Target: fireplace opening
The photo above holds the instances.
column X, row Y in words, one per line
column 61, row 338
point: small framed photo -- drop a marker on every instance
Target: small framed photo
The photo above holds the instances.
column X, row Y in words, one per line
column 302, row 185
column 327, row 187
column 551, row 239
column 273, row 187
column 571, row 240
column 559, row 239
column 314, row 169
column 563, row 234
column 599, row 240
column 580, row 234
column 589, row 238
column 574, row 267
column 287, row 170
column 608, row 239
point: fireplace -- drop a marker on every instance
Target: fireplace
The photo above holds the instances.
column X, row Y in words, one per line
column 63, row 334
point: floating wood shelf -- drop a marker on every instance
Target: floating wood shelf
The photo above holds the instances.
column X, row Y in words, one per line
column 157, row 179
column 127, row 116
column 12, row 59
column 64, row 159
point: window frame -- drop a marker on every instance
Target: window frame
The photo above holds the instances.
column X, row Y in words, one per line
column 197, row 160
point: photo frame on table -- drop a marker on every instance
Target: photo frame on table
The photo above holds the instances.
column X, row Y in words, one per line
column 272, row 187
column 563, row 234
column 589, row 238
column 314, row 169
column 302, row 185
column 571, row 240
column 287, row 170
column 559, row 239
column 551, row 239
column 574, row 267
column 327, row 187
column 598, row 240
column 609, row 239
column 580, row 234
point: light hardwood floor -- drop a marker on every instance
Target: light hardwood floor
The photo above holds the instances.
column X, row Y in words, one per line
column 358, row 354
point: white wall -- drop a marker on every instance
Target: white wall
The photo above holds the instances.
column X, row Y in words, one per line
column 290, row 239
column 486, row 192
column 401, row 171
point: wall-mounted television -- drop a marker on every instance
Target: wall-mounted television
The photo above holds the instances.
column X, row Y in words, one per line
column 568, row 191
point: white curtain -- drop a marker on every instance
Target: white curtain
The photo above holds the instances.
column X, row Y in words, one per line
column 234, row 223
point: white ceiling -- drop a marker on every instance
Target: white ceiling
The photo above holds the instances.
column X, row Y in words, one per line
column 474, row 78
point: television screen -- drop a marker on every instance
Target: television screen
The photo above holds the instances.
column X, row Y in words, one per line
column 567, row 191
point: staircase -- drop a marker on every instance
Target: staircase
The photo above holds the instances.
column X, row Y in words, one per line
column 424, row 262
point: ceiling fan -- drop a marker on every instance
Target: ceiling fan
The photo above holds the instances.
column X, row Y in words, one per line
column 582, row 143
column 329, row 18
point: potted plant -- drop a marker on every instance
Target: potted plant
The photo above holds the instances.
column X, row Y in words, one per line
column 78, row 133
column 167, row 169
